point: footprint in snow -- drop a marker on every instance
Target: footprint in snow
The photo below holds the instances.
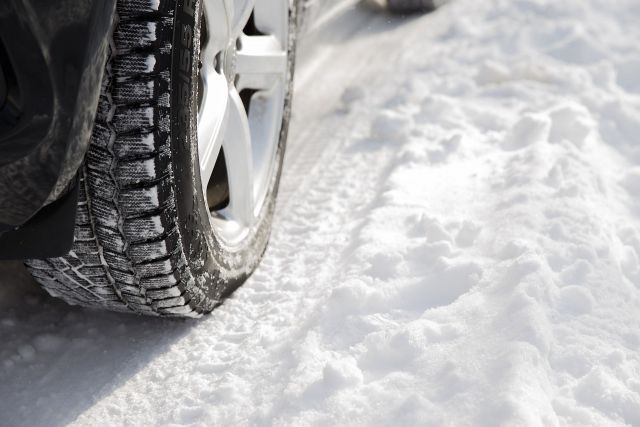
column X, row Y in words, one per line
column 577, row 273
column 468, row 234
column 574, row 300
column 571, row 122
column 396, row 349
column 439, row 285
column 423, row 225
column 528, row 130
column 391, row 126
column 444, row 149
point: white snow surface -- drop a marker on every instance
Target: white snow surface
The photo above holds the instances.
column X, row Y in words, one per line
column 457, row 243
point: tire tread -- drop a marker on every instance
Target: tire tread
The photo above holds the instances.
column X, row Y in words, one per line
column 126, row 254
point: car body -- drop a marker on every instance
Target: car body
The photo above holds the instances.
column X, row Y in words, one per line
column 51, row 66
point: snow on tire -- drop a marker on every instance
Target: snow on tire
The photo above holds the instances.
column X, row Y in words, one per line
column 144, row 242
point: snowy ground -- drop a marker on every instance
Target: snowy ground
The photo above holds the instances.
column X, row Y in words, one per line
column 458, row 243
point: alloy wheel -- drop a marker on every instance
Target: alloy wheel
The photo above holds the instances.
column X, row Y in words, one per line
column 242, row 89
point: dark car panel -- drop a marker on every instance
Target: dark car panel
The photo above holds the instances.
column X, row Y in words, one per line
column 52, row 56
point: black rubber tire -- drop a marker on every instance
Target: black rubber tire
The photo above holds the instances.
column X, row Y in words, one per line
column 143, row 241
column 411, row 6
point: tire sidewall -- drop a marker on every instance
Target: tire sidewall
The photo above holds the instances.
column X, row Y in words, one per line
column 217, row 270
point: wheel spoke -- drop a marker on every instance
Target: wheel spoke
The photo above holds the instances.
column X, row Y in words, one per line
column 231, row 61
column 238, row 155
column 212, row 122
column 261, row 62
column 241, row 13
column 219, row 17
column 273, row 18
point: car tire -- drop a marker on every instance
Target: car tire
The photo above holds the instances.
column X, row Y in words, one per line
column 410, row 6
column 146, row 240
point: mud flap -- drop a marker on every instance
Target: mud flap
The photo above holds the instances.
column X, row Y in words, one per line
column 48, row 234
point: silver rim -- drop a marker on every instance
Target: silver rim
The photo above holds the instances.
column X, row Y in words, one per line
column 243, row 84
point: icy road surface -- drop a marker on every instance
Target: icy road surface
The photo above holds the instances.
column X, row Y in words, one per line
column 457, row 243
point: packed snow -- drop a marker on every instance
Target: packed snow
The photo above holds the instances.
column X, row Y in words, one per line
column 457, row 243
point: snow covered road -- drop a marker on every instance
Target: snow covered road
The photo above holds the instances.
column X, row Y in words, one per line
column 457, row 243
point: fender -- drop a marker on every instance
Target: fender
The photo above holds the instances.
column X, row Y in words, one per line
column 51, row 64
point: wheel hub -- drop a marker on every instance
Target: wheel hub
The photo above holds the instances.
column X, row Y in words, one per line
column 230, row 62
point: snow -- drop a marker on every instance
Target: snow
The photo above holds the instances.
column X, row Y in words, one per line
column 150, row 62
column 457, row 243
